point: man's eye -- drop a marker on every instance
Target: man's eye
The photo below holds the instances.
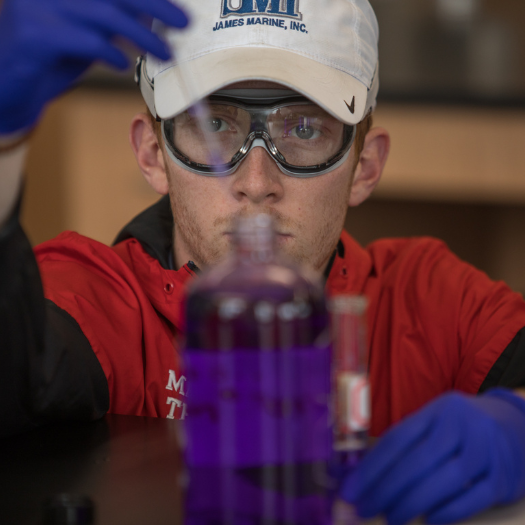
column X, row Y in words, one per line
column 217, row 124
column 305, row 132
column 302, row 128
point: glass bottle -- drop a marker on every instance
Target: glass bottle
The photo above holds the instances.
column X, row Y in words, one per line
column 257, row 361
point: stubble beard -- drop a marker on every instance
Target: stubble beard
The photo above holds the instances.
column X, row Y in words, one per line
column 312, row 253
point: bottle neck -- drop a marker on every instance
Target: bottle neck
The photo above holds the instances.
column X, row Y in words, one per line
column 255, row 240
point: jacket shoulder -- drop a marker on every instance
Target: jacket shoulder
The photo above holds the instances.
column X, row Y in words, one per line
column 388, row 252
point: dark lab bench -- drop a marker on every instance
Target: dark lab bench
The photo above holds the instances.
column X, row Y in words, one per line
column 129, row 466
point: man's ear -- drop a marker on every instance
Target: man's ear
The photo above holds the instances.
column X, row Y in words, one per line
column 148, row 153
column 370, row 165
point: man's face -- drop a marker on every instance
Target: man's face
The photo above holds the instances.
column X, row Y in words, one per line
column 309, row 213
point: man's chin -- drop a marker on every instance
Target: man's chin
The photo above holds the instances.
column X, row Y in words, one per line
column 287, row 253
column 286, row 248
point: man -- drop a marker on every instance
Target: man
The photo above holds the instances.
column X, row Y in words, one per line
column 101, row 336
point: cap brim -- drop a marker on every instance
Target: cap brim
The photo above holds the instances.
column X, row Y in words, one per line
column 179, row 87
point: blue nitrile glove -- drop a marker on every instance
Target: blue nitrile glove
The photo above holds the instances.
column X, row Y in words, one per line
column 45, row 45
column 456, row 456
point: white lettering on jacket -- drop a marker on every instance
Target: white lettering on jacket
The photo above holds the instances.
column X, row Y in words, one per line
column 176, row 385
column 175, row 403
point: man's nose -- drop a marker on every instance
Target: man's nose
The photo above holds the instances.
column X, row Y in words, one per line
column 258, row 179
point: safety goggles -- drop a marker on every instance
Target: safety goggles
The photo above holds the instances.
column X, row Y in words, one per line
column 302, row 138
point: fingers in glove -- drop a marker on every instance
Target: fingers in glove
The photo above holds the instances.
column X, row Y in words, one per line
column 391, row 447
column 108, row 21
column 478, row 497
column 163, row 10
column 75, row 42
column 457, row 434
column 418, row 463
column 446, row 483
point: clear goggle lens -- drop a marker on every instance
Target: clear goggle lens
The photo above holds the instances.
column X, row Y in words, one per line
column 301, row 137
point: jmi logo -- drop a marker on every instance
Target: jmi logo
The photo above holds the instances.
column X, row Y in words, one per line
column 288, row 8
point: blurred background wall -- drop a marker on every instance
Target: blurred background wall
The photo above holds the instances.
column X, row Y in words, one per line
column 452, row 96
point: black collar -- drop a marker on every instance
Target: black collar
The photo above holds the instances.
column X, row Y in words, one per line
column 153, row 228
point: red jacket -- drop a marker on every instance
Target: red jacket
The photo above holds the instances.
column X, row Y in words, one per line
column 435, row 323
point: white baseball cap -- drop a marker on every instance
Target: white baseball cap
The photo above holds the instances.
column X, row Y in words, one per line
column 324, row 49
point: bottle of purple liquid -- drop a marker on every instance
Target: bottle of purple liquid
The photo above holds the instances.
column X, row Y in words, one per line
column 257, row 361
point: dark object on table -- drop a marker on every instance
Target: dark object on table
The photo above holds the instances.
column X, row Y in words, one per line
column 69, row 509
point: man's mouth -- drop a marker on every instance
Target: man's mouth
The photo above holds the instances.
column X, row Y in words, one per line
column 282, row 237
column 279, row 235
column 281, row 243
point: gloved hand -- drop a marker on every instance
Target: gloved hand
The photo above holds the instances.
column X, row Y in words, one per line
column 456, row 456
column 45, row 45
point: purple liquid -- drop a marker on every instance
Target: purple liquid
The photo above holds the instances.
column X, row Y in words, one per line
column 258, row 426
column 258, row 431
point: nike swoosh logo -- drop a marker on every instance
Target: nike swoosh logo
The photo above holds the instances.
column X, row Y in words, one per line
column 351, row 107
